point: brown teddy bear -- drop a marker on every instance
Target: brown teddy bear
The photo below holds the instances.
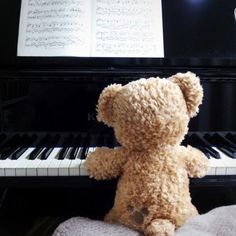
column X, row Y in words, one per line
column 150, row 118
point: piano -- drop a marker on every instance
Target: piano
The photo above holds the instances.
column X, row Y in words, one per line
column 48, row 122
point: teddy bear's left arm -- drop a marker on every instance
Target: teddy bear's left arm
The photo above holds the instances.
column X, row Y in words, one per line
column 105, row 163
column 195, row 161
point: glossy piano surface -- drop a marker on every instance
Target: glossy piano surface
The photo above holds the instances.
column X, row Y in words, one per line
column 48, row 124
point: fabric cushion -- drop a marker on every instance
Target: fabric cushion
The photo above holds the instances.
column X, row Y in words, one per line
column 217, row 222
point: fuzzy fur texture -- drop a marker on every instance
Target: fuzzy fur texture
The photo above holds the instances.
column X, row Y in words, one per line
column 150, row 118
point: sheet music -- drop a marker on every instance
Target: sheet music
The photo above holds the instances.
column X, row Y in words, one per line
column 54, row 28
column 91, row 28
column 127, row 28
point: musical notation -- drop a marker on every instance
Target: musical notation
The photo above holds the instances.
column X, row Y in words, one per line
column 97, row 28
column 54, row 27
column 53, row 3
column 51, row 42
column 128, row 28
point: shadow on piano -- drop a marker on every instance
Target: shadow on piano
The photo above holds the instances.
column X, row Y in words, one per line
column 48, row 125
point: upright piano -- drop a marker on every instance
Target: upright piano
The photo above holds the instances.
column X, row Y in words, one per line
column 48, row 114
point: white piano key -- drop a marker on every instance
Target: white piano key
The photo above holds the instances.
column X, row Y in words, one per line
column 2, row 173
column 3, row 165
column 229, row 163
column 65, row 165
column 10, row 170
column 224, row 163
column 231, row 171
column 74, row 167
column 44, row 165
column 220, row 168
column 53, row 168
column 82, row 170
column 91, row 149
column 75, row 164
column 212, row 166
column 20, row 167
column 32, row 165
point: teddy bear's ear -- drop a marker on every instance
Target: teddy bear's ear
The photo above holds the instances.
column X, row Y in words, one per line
column 189, row 83
column 105, row 103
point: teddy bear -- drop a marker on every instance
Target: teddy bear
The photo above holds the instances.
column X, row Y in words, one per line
column 150, row 118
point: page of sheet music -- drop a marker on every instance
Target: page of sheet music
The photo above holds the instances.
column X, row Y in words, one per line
column 91, row 28
column 54, row 28
column 127, row 28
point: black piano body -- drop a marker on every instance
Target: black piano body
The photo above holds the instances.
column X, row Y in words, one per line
column 58, row 96
column 63, row 103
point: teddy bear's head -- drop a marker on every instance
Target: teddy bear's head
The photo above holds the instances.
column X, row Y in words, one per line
column 147, row 113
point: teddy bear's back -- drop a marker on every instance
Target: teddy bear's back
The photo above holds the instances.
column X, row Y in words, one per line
column 156, row 180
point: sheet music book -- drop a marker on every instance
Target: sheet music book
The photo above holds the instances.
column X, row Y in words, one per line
column 91, row 28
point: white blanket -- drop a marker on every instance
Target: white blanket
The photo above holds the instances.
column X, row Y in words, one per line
column 218, row 222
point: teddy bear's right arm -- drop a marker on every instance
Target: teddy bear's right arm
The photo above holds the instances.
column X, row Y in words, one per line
column 105, row 163
column 196, row 162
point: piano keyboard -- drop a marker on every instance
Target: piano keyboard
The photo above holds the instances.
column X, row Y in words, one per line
column 59, row 155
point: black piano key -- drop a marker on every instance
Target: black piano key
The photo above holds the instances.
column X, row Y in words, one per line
column 18, row 153
column 46, row 152
column 84, row 153
column 213, row 152
column 204, row 150
column 86, row 142
column 231, row 138
column 51, row 145
column 233, row 145
column 207, row 146
column 193, row 142
column 35, row 153
column 40, row 147
column 76, row 147
column 63, row 153
column 18, row 145
column 221, row 146
column 23, row 144
column 66, row 147
column 9, row 147
column 228, row 151
column 74, row 153
column 224, row 141
column 26, row 141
